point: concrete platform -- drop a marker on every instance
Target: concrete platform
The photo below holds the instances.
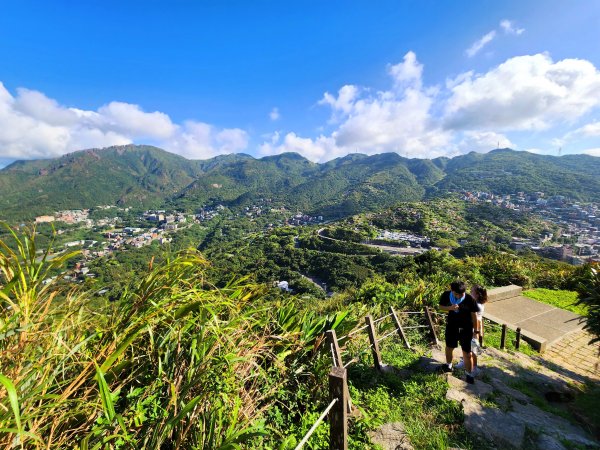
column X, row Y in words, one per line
column 541, row 325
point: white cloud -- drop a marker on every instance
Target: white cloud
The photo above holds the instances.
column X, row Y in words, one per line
column 408, row 73
column 483, row 141
column 35, row 126
column 480, row 43
column 199, row 140
column 592, row 151
column 509, row 28
column 320, row 149
column 342, row 105
column 131, row 120
column 589, row 130
column 524, row 93
column 398, row 120
column 274, row 114
column 506, row 26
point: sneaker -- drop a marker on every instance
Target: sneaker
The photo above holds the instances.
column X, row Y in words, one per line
column 444, row 368
column 470, row 379
column 476, row 372
column 461, row 364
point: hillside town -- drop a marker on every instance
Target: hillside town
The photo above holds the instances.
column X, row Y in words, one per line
column 578, row 238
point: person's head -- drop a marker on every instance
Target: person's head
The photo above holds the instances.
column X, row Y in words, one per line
column 458, row 288
column 479, row 293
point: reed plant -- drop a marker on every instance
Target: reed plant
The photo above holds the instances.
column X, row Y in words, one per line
column 174, row 363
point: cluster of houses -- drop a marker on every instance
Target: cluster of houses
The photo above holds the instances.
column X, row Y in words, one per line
column 69, row 216
column 413, row 240
column 303, row 219
column 578, row 240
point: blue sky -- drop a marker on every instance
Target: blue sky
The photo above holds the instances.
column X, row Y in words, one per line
column 422, row 78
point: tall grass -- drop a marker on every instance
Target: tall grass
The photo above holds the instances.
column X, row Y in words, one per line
column 175, row 363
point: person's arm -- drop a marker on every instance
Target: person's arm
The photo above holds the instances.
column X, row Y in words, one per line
column 476, row 329
column 448, row 307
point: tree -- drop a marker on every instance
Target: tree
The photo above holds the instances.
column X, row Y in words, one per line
column 591, row 298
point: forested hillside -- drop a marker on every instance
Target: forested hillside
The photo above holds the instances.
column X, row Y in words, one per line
column 143, row 176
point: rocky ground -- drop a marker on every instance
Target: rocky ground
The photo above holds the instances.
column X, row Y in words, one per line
column 517, row 402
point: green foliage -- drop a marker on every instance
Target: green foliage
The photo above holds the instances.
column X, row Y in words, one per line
column 175, row 360
column 590, row 298
column 559, row 298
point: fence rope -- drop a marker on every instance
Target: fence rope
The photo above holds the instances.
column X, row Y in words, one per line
column 382, row 318
column 409, row 312
column 387, row 335
column 316, row 424
column 416, row 326
column 353, row 332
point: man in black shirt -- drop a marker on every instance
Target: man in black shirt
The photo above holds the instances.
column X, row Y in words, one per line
column 461, row 321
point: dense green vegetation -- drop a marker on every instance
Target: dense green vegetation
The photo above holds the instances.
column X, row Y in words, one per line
column 143, row 176
column 193, row 354
column 559, row 298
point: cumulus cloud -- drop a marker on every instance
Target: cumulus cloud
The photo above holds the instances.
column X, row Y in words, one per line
column 482, row 141
column 480, row 43
column 524, row 93
column 592, row 151
column 274, row 114
column 33, row 125
column 472, row 112
column 398, row 119
column 588, row 130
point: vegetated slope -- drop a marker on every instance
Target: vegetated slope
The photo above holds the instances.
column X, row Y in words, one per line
column 127, row 175
column 508, row 171
column 339, row 187
column 147, row 176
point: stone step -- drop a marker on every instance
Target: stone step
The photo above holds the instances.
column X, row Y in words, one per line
column 504, row 292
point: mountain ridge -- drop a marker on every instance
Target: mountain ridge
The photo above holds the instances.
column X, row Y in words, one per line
column 147, row 176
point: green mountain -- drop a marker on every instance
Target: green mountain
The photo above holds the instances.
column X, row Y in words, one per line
column 145, row 176
column 124, row 175
column 506, row 171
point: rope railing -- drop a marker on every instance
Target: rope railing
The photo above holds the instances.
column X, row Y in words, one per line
column 388, row 335
column 316, row 425
column 352, row 333
column 416, row 326
column 382, row 318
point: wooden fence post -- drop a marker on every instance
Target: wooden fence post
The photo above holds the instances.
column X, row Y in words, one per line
column 374, row 343
column 518, row 340
column 503, row 337
column 434, row 338
column 399, row 328
column 337, row 358
column 338, row 415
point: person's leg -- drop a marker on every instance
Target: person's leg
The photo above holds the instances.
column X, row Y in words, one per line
column 449, row 355
column 452, row 338
column 474, row 363
column 468, row 362
column 466, row 335
column 481, row 333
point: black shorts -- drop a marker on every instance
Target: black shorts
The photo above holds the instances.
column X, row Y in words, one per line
column 454, row 335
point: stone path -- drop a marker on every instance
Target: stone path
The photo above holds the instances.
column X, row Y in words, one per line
column 507, row 405
column 542, row 325
column 574, row 353
column 517, row 402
